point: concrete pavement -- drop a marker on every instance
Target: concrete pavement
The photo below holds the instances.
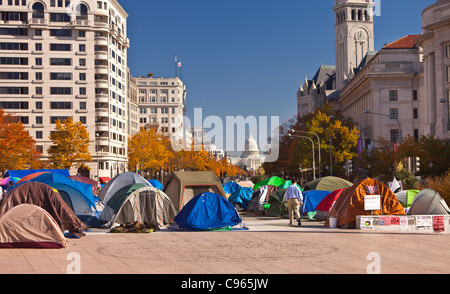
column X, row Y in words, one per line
column 270, row 246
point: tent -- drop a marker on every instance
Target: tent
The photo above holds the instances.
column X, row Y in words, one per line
column 406, row 197
column 5, row 181
column 278, row 204
column 30, row 226
column 311, row 199
column 48, row 198
column 95, row 185
column 328, row 184
column 241, row 198
column 182, row 186
column 22, row 173
column 249, row 184
column 326, row 204
column 273, row 181
column 157, row 184
column 428, row 202
column 76, row 194
column 231, row 187
column 351, row 202
column 260, row 198
column 139, row 203
column 208, row 211
column 118, row 182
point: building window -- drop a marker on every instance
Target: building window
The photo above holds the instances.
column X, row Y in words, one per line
column 393, row 113
column 415, row 113
column 415, row 95
column 393, row 95
column 416, row 134
column 394, row 136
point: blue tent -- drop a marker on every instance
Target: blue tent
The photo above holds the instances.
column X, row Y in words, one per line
column 156, row 184
column 231, row 187
column 76, row 194
column 241, row 196
column 311, row 199
column 22, row 173
column 207, row 211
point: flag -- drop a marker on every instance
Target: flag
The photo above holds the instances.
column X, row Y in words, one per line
column 179, row 64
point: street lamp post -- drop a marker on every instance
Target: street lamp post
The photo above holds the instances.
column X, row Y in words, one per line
column 318, row 142
column 313, row 153
column 331, row 148
column 399, row 137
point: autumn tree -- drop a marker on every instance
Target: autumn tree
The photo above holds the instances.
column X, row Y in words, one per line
column 70, row 145
column 17, row 148
column 148, row 150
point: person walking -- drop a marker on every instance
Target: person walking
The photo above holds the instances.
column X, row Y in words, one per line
column 294, row 199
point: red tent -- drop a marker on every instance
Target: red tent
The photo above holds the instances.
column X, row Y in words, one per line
column 326, row 204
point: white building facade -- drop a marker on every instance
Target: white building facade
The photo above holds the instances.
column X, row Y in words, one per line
column 62, row 59
column 161, row 104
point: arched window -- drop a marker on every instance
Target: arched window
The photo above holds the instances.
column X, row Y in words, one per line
column 353, row 14
column 82, row 11
column 38, row 10
column 360, row 15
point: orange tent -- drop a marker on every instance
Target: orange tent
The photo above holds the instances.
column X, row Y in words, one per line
column 351, row 203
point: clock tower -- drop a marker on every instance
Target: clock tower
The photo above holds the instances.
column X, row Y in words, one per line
column 354, row 36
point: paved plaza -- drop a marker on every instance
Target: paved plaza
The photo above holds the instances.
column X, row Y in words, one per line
column 270, row 246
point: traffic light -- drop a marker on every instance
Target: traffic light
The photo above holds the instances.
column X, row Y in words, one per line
column 417, row 164
column 300, row 167
column 350, row 167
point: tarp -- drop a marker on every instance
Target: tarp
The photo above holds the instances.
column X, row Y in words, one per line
column 406, row 197
column 428, row 202
column 311, row 199
column 95, row 185
column 241, row 197
column 231, row 187
column 182, row 186
column 273, row 181
column 326, row 204
column 30, row 226
column 351, row 202
column 207, row 211
column 157, row 184
column 76, row 194
column 139, row 203
column 48, row 198
column 118, row 182
column 328, row 184
column 22, row 173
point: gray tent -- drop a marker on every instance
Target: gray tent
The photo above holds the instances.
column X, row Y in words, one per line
column 118, row 182
column 428, row 202
column 139, row 203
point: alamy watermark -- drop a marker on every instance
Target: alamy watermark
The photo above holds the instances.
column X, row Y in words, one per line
column 74, row 266
column 230, row 134
column 374, row 267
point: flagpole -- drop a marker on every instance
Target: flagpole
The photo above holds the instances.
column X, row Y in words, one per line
column 176, row 68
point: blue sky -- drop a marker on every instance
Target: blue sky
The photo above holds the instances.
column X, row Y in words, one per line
column 247, row 57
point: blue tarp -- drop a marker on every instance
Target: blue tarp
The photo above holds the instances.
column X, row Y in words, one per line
column 207, row 211
column 231, row 187
column 156, row 184
column 76, row 194
column 22, row 173
column 242, row 196
column 311, row 199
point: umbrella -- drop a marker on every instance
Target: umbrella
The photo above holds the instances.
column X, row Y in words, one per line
column 5, row 181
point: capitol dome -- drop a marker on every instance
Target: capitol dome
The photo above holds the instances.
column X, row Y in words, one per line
column 251, row 147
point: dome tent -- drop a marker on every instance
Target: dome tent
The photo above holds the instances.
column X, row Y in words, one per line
column 351, row 202
column 48, row 198
column 208, row 211
column 328, row 184
column 119, row 182
column 30, row 226
column 76, row 194
column 139, row 203
column 428, row 202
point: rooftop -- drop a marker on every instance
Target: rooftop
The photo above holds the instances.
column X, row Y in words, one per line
column 407, row 42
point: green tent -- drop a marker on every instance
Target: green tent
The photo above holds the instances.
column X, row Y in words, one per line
column 406, row 197
column 277, row 201
column 328, row 184
column 275, row 181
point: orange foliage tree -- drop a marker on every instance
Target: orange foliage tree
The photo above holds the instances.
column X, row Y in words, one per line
column 17, row 148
